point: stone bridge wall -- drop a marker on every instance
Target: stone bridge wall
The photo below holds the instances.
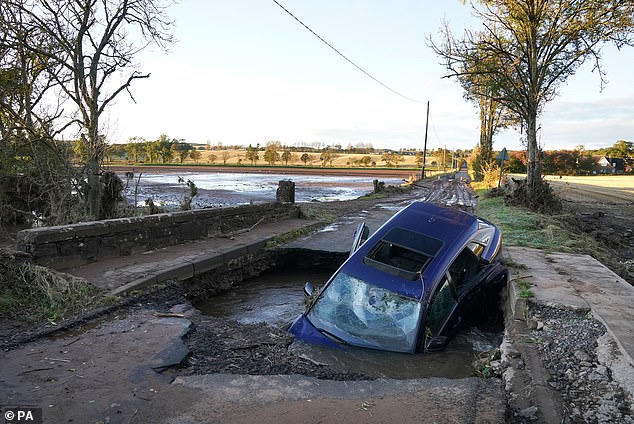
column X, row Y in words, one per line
column 67, row 246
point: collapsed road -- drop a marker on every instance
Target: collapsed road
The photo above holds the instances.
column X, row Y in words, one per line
column 157, row 359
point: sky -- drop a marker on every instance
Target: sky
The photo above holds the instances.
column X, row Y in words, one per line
column 245, row 72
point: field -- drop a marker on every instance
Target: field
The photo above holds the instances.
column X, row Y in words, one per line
column 603, row 206
column 340, row 159
column 598, row 188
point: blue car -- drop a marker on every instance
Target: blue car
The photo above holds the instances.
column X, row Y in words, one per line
column 410, row 286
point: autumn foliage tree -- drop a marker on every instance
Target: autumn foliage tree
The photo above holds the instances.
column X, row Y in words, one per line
column 86, row 49
column 533, row 46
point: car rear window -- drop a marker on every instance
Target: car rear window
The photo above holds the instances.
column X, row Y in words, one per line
column 403, row 252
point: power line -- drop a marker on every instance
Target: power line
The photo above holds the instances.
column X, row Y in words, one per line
column 434, row 128
column 343, row 56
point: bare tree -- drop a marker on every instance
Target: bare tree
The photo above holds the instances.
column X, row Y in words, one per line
column 530, row 47
column 32, row 164
column 93, row 43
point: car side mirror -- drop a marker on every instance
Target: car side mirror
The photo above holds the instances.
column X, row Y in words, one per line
column 360, row 236
column 309, row 289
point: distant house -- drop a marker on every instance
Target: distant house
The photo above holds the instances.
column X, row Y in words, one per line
column 618, row 164
column 606, row 165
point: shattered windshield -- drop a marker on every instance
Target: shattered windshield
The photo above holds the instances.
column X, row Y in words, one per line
column 364, row 315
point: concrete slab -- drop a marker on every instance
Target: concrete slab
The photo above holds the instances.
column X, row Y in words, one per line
column 296, row 398
column 179, row 262
column 580, row 281
column 103, row 373
column 337, row 236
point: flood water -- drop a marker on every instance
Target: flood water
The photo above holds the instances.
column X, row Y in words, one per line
column 276, row 298
column 229, row 189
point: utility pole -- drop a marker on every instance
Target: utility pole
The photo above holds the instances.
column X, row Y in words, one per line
column 425, row 146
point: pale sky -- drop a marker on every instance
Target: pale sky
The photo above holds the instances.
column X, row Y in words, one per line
column 245, row 72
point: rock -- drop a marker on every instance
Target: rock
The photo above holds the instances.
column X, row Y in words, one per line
column 529, row 413
column 581, row 355
column 601, row 369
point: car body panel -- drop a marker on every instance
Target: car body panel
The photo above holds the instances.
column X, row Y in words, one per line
column 443, row 259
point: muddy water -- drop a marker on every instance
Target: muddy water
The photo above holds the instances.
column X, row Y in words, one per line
column 276, row 297
column 228, row 189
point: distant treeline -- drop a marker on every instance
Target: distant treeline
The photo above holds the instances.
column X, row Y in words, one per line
column 578, row 161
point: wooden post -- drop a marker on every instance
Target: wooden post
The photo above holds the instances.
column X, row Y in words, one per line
column 425, row 146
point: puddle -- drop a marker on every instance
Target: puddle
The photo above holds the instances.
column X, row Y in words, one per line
column 276, row 297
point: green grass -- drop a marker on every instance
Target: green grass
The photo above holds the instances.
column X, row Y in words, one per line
column 318, row 214
column 522, row 227
column 286, row 237
column 524, row 288
column 553, row 233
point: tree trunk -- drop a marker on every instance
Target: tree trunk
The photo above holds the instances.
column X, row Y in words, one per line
column 94, row 187
column 534, row 168
column 93, row 163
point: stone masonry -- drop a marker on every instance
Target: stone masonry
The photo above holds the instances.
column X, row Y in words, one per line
column 67, row 246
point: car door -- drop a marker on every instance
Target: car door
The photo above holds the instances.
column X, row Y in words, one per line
column 453, row 299
column 439, row 315
column 466, row 273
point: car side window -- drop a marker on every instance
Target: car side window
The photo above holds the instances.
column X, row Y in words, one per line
column 441, row 305
column 463, row 269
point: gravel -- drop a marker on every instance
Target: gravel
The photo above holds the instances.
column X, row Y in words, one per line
column 567, row 341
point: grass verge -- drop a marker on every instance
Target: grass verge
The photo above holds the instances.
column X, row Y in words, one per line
column 521, row 227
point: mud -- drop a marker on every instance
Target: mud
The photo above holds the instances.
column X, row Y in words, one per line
column 276, row 298
column 610, row 223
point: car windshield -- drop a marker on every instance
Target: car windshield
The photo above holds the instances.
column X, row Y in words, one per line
column 364, row 315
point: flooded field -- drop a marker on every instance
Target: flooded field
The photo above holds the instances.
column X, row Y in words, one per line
column 276, row 297
column 228, row 189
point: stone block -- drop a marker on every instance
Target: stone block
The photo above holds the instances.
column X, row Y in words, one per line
column 123, row 224
column 46, row 235
column 134, row 285
column 285, row 192
column 42, row 252
column 209, row 263
column 258, row 247
column 158, row 221
column 192, row 230
column 87, row 248
column 235, row 253
column 91, row 229
column 178, row 272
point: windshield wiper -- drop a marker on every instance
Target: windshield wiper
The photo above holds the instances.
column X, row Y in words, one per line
column 333, row 337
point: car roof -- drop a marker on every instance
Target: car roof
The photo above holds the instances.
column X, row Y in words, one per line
column 451, row 227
